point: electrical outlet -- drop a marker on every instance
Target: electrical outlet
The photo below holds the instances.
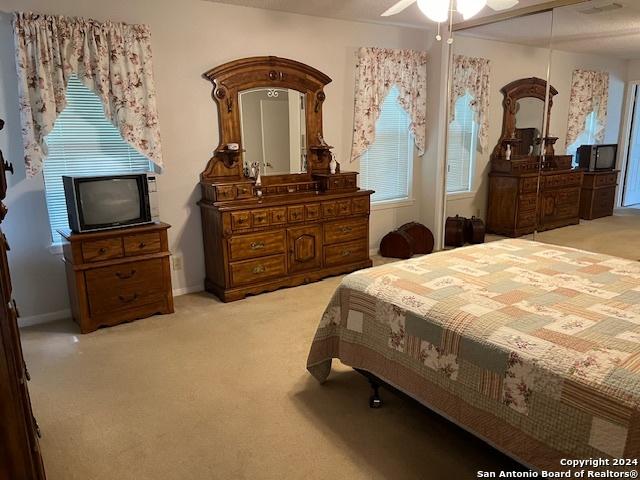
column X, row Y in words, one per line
column 177, row 262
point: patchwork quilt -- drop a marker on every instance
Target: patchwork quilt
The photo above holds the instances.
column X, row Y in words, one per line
column 533, row 347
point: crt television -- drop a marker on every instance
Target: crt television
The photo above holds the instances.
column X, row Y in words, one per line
column 597, row 157
column 110, row 201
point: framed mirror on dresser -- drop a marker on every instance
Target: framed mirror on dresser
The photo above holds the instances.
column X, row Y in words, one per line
column 276, row 209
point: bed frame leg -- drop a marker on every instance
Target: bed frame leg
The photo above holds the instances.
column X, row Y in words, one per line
column 374, row 400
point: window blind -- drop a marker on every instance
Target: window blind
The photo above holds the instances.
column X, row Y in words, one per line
column 461, row 146
column 386, row 166
column 83, row 142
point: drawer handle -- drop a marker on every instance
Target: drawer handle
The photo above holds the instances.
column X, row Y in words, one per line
column 346, row 229
column 142, row 245
column 241, row 220
column 346, row 253
column 128, row 300
column 257, row 245
column 102, row 250
column 123, row 276
column 258, row 269
column 295, row 214
column 27, row 375
column 35, row 422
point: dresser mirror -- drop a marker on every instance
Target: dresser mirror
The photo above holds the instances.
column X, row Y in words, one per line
column 273, row 129
column 269, row 115
column 528, row 119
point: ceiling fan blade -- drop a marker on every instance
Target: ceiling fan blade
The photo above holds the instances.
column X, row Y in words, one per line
column 397, row 8
column 502, row 4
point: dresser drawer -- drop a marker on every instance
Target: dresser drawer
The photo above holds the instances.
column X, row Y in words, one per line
column 141, row 244
column 244, row 191
column 527, row 202
column 345, row 253
column 225, row 192
column 252, row 271
column 344, row 207
column 329, row 209
column 296, row 214
column 529, row 184
column 561, row 180
column 360, row 205
column 278, row 216
column 240, row 220
column 345, row 230
column 256, row 245
column 606, row 180
column 124, row 286
column 260, row 218
column 313, row 211
column 98, row 250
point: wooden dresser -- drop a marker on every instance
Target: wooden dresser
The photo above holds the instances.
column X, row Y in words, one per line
column 517, row 205
column 20, row 457
column 598, row 194
column 283, row 229
column 118, row 275
column 513, row 200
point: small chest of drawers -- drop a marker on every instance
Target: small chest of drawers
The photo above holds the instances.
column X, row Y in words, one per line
column 115, row 276
column 598, row 194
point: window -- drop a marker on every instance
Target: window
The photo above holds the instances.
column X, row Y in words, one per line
column 83, row 142
column 461, row 147
column 386, row 166
column 588, row 135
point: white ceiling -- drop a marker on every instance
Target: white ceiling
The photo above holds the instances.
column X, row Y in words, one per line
column 359, row 10
column 615, row 33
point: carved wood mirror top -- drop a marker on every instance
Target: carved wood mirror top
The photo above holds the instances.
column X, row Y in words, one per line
column 523, row 118
column 232, row 78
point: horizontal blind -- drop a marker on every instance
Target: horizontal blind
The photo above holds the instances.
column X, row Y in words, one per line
column 461, row 146
column 386, row 166
column 83, row 142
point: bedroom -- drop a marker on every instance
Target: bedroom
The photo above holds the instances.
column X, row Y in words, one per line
column 219, row 390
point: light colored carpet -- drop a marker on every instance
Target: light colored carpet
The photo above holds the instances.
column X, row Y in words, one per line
column 220, row 391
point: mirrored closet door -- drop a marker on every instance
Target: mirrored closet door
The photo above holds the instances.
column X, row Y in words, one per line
column 499, row 109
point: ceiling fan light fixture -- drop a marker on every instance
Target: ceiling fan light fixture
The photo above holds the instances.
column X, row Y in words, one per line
column 435, row 10
column 469, row 8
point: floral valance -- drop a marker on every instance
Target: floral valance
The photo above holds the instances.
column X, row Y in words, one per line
column 112, row 59
column 471, row 75
column 378, row 70
column 589, row 93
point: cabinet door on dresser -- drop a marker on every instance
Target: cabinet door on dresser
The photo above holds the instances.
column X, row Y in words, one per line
column 305, row 248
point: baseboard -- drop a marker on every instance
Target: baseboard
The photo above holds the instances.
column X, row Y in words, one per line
column 43, row 318
column 192, row 289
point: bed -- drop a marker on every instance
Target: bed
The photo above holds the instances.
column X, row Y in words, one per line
column 534, row 348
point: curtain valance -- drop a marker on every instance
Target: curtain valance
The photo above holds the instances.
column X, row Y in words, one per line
column 112, row 59
column 378, row 70
column 589, row 92
column 471, row 75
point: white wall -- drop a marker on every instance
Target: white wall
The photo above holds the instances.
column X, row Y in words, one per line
column 188, row 38
column 633, row 70
column 511, row 62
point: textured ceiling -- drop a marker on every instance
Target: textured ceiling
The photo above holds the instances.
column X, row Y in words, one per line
column 358, row 10
column 615, row 33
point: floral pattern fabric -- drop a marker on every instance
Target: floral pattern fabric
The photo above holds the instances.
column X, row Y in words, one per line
column 378, row 70
column 589, row 92
column 471, row 75
column 113, row 60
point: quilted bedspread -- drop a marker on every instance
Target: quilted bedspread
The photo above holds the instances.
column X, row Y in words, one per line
column 533, row 347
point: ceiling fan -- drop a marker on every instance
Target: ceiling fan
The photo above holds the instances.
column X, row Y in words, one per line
column 438, row 10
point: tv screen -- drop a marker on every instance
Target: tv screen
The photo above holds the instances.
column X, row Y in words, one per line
column 109, row 201
column 606, row 157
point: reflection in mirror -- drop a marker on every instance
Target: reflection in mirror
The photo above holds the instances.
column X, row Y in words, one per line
column 529, row 118
column 594, row 66
column 273, row 130
column 493, row 145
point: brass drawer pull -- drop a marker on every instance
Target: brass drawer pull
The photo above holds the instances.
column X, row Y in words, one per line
column 258, row 269
column 346, row 229
column 142, row 245
column 123, row 276
column 102, row 251
column 346, row 253
column 241, row 220
column 257, row 245
column 128, row 300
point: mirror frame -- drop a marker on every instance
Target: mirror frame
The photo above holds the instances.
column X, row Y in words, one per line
column 532, row 87
column 233, row 77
